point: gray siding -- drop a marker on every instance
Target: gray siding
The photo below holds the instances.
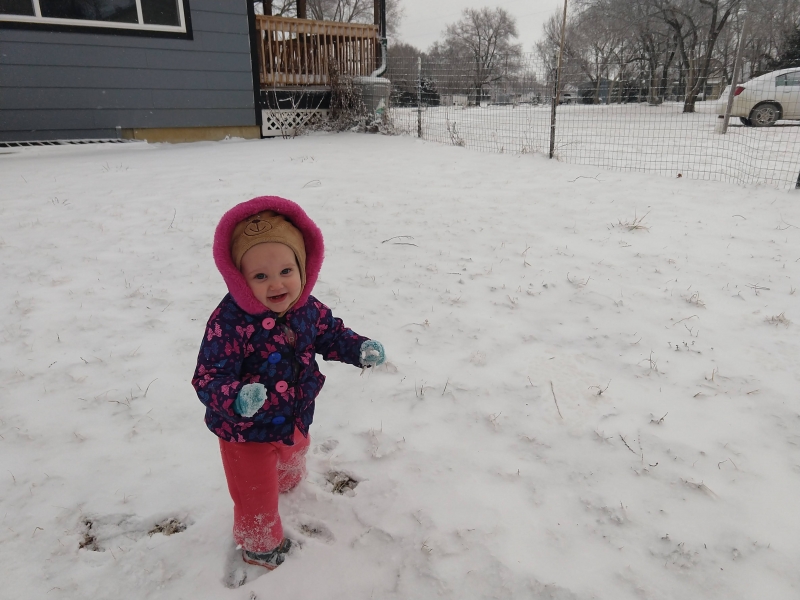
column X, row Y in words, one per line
column 63, row 85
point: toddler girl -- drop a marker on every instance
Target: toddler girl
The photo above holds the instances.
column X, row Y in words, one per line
column 256, row 372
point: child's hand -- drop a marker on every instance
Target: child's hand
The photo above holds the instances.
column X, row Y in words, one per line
column 372, row 354
column 250, row 399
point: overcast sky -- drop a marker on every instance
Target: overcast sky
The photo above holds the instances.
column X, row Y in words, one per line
column 425, row 20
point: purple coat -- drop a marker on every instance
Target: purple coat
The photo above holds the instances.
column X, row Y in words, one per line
column 245, row 342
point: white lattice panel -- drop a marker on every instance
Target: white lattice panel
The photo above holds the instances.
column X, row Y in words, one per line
column 286, row 123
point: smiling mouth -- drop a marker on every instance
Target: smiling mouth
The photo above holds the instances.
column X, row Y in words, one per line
column 278, row 298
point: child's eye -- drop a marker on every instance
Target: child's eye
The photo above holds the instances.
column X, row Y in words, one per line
column 260, row 276
column 286, row 271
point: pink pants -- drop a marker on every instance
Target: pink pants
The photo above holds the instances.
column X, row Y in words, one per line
column 257, row 473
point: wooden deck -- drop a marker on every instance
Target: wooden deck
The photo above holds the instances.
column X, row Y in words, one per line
column 297, row 52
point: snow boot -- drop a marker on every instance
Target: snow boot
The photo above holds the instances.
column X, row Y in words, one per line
column 270, row 560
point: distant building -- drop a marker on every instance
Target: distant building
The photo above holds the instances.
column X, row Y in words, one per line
column 455, row 100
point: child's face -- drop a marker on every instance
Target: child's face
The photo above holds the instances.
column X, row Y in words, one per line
column 271, row 271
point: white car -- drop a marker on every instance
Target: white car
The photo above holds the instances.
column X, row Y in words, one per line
column 764, row 100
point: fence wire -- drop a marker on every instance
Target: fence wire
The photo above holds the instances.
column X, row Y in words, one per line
column 624, row 117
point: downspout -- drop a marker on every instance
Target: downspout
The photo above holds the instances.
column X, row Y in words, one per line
column 384, row 45
column 382, row 69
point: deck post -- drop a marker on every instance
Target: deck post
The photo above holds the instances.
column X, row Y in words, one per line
column 376, row 20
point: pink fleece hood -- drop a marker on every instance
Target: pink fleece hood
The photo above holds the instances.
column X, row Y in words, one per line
column 237, row 286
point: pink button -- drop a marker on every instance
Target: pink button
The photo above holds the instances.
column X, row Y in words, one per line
column 281, row 387
column 268, row 323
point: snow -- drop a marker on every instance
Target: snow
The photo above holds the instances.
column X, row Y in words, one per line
column 628, row 137
column 591, row 388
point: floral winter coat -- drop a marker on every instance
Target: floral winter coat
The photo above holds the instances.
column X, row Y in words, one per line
column 244, row 342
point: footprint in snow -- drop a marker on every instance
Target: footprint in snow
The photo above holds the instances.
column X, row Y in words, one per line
column 326, row 447
column 316, row 530
column 342, row 483
column 238, row 572
column 102, row 531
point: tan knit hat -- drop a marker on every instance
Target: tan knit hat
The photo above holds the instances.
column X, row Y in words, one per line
column 265, row 227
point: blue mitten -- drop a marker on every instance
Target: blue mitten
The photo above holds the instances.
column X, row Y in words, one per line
column 251, row 398
column 372, row 354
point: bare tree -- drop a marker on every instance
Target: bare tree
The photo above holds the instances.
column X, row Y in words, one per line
column 277, row 8
column 355, row 11
column 596, row 45
column 697, row 25
column 548, row 47
column 657, row 47
column 771, row 24
column 483, row 37
column 452, row 72
column 598, row 41
column 674, row 47
column 342, row 11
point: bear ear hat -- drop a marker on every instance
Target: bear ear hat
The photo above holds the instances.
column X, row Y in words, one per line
column 266, row 227
column 312, row 240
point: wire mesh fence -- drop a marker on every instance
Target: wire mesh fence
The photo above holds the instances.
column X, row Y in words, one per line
column 617, row 116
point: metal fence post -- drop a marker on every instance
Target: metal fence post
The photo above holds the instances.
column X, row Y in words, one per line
column 419, row 96
column 734, row 81
column 557, row 91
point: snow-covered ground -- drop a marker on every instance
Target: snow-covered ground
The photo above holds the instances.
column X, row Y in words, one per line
column 592, row 389
column 627, row 137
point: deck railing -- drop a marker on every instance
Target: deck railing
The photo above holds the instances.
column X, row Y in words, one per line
column 306, row 52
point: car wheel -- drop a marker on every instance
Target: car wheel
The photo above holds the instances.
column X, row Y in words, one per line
column 765, row 115
column 746, row 122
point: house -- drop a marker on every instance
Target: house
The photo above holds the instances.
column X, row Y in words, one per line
column 455, row 99
column 593, row 92
column 505, row 97
column 167, row 70
column 533, row 97
column 713, row 88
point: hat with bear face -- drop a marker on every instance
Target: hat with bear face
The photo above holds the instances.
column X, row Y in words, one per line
column 266, row 227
